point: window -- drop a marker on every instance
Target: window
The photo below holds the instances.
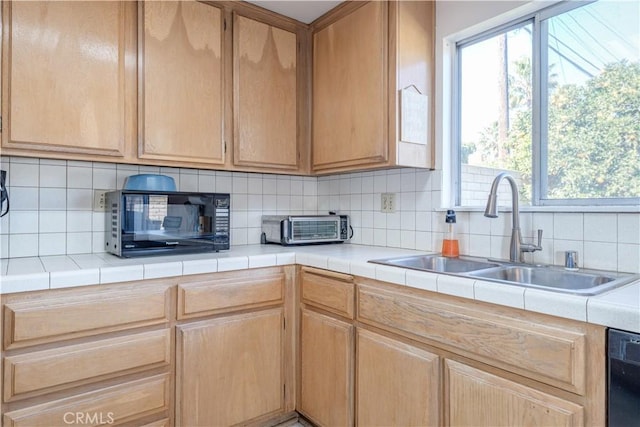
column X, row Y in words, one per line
column 554, row 99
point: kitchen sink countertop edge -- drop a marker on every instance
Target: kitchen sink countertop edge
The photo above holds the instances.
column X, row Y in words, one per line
column 618, row 308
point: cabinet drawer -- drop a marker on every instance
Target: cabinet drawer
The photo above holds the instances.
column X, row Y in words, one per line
column 44, row 371
column 548, row 354
column 224, row 293
column 60, row 316
column 112, row 405
column 329, row 291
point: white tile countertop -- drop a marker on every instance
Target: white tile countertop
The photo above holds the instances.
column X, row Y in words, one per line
column 619, row 308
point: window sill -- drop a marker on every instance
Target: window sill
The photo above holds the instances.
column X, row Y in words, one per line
column 554, row 209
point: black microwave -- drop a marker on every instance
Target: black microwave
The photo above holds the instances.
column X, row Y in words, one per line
column 144, row 223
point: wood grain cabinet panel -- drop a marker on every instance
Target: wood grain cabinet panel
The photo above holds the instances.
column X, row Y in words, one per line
column 39, row 372
column 553, row 355
column 326, row 369
column 477, row 398
column 230, row 370
column 241, row 291
column 265, row 95
column 160, row 423
column 181, row 77
column 66, row 67
column 397, row 384
column 329, row 291
column 113, row 405
column 64, row 316
column 349, row 89
column 366, row 56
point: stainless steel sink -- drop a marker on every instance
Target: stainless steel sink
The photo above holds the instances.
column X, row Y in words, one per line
column 586, row 282
column 583, row 282
column 437, row 263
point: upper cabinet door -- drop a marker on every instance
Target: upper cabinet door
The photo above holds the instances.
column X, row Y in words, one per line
column 373, row 86
column 65, row 76
column 265, row 95
column 181, row 66
column 350, row 90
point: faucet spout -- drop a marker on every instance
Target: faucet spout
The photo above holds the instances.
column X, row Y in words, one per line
column 491, row 211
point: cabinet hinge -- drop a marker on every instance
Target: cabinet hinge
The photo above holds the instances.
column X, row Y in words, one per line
column 0, row 123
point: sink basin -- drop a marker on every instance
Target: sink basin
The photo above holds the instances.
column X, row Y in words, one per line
column 436, row 263
column 576, row 282
column 583, row 282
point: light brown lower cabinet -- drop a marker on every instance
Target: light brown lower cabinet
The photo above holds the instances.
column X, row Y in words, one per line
column 88, row 356
column 397, row 384
column 127, row 354
column 112, row 405
column 326, row 369
column 477, row 398
column 230, row 370
column 427, row 359
column 39, row 372
column 236, row 348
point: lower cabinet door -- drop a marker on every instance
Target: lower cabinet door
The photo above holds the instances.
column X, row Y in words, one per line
column 326, row 370
column 477, row 398
column 230, row 369
column 397, row 384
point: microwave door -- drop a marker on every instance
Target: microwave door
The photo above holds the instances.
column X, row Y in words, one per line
column 188, row 218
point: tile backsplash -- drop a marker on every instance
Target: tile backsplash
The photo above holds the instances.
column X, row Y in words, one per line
column 52, row 212
column 52, row 202
column 608, row 241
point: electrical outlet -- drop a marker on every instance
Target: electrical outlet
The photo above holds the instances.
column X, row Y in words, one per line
column 388, row 202
column 100, row 200
column 392, row 202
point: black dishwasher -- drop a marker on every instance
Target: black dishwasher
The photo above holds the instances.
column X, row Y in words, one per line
column 623, row 379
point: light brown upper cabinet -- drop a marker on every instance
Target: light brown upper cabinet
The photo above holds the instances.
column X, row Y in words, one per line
column 67, row 67
column 369, row 60
column 181, row 82
column 265, row 95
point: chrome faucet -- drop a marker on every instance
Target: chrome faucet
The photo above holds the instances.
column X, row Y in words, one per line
column 517, row 248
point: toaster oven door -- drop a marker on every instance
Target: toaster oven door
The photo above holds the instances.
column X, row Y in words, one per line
column 314, row 229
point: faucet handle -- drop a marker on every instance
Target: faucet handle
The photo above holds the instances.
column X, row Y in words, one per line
column 531, row 247
column 539, row 245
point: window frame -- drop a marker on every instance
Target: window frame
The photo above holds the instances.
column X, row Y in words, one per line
column 539, row 131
